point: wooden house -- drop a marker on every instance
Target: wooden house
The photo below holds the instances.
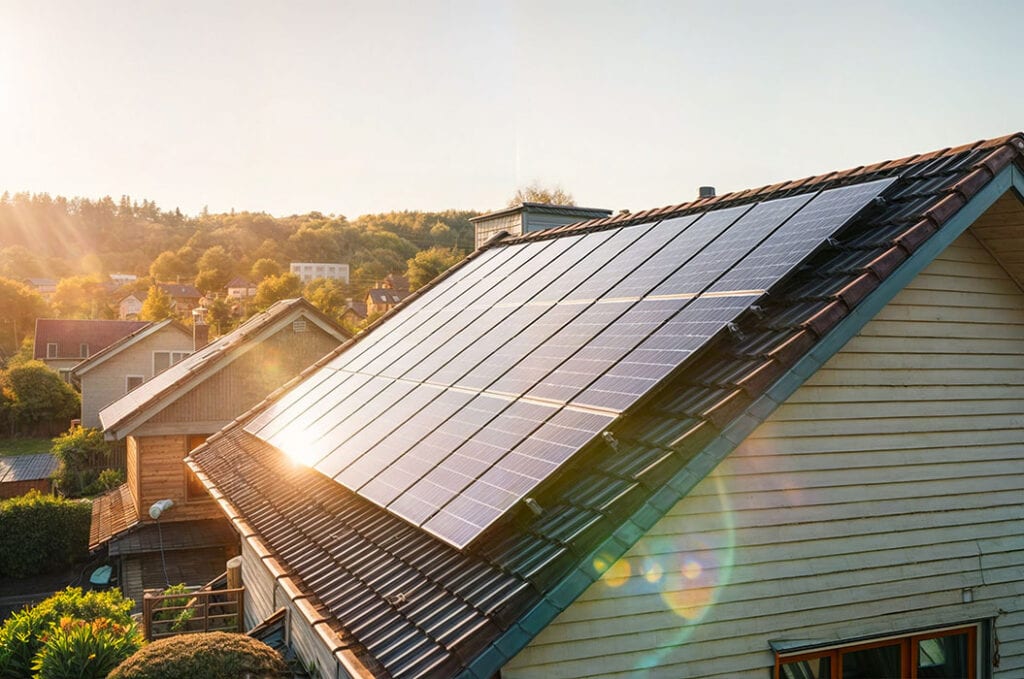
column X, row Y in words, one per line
column 379, row 301
column 21, row 473
column 168, row 415
column 773, row 433
column 124, row 365
column 62, row 343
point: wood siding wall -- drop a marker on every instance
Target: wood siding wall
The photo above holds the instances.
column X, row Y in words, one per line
column 888, row 483
column 16, row 488
column 105, row 383
column 163, row 477
column 250, row 378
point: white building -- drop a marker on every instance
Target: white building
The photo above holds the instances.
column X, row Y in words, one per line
column 307, row 271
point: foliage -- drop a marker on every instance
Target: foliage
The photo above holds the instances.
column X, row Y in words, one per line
column 23, row 635
column 180, row 617
column 81, row 297
column 80, row 451
column 429, row 264
column 108, row 479
column 168, row 266
column 80, row 649
column 215, row 269
column 329, row 295
column 20, row 306
column 276, row 288
column 263, row 268
column 212, row 654
column 34, row 399
column 538, row 193
column 40, row 532
column 158, row 305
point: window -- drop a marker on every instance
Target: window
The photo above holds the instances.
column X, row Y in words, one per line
column 162, row 360
column 132, row 382
column 943, row 654
column 195, row 491
column 51, row 350
column 83, row 350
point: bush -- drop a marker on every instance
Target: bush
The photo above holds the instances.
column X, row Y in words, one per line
column 80, row 649
column 211, row 655
column 180, row 616
column 36, row 400
column 39, row 533
column 80, row 450
column 108, row 479
column 24, row 634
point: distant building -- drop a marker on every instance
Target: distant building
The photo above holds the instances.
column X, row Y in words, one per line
column 307, row 271
column 129, row 308
column 381, row 300
column 123, row 278
column 62, row 343
column 186, row 297
column 354, row 314
column 530, row 217
column 44, row 286
column 241, row 288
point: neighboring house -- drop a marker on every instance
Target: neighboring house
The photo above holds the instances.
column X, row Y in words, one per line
column 63, row 343
column 124, row 365
column 529, row 217
column 175, row 411
column 130, row 307
column 398, row 284
column 354, row 314
column 381, row 300
column 21, row 473
column 44, row 286
column 771, row 433
column 123, row 278
column 186, row 297
column 307, row 271
column 241, row 288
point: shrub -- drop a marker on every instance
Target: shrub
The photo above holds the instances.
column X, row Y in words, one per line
column 41, row 532
column 209, row 655
column 80, row 450
column 36, row 400
column 107, row 480
column 80, row 649
column 22, row 635
column 179, row 616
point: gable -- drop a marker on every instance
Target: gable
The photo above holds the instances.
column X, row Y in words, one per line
column 863, row 505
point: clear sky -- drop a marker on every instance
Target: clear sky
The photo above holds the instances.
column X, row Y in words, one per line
column 351, row 108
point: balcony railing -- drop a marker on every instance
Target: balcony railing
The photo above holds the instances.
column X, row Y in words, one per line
column 199, row 610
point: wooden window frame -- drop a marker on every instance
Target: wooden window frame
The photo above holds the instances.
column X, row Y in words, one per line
column 128, row 387
column 191, row 496
column 908, row 644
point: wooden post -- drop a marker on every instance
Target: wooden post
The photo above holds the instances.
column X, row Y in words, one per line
column 147, row 617
column 235, row 582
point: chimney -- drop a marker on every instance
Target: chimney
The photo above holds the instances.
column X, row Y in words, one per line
column 529, row 217
column 200, row 330
column 706, row 192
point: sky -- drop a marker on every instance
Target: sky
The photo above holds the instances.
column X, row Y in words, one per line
column 354, row 108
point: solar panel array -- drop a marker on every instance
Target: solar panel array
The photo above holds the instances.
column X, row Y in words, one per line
column 477, row 392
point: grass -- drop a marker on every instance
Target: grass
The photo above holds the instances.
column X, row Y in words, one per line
column 10, row 447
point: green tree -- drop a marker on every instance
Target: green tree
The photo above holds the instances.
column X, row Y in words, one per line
column 158, row 305
column 36, row 400
column 275, row 288
column 80, row 450
column 328, row 295
column 219, row 311
column 263, row 268
column 215, row 269
column 538, row 193
column 168, row 266
column 81, row 297
column 429, row 264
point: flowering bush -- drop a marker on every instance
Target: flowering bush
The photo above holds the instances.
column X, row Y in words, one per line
column 81, row 649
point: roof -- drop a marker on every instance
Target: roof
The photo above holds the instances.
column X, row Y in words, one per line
column 180, row 290
column 68, row 334
column 408, row 604
column 545, row 208
column 120, row 345
column 239, row 282
column 173, row 536
column 113, row 514
column 359, row 308
column 383, row 296
column 27, row 467
column 118, row 417
column 41, row 282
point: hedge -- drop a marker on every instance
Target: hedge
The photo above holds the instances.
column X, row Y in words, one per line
column 210, row 655
column 40, row 533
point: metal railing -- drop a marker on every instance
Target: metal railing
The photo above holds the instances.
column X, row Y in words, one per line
column 199, row 610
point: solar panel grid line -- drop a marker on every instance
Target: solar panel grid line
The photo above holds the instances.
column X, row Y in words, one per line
column 290, row 424
column 275, row 417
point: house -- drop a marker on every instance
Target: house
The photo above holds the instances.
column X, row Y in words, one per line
column 168, row 415
column 62, row 343
column 123, row 278
column 44, row 286
column 129, row 308
column 772, row 433
column 354, row 314
column 186, row 297
column 124, row 365
column 381, row 300
column 307, row 271
column 240, row 288
column 529, row 217
column 398, row 284
column 21, row 473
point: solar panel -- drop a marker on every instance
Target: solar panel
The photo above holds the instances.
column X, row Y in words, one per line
column 482, row 388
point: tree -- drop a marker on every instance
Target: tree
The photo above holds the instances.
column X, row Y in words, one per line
column 429, row 264
column 215, row 269
column 36, row 400
column 328, row 295
column 20, row 306
column 538, row 193
column 168, row 266
column 262, row 268
column 158, row 305
column 80, row 451
column 81, row 297
column 219, row 315
column 275, row 288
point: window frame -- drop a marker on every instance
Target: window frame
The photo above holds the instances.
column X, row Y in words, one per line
column 83, row 350
column 52, row 350
column 195, row 491
column 909, row 654
column 127, row 385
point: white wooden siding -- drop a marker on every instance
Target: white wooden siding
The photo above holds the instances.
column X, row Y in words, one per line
column 890, row 481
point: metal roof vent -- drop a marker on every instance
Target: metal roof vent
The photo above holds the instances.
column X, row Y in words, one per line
column 706, row 192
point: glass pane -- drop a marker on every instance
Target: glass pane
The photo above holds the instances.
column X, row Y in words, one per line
column 815, row 668
column 873, row 663
column 943, row 658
